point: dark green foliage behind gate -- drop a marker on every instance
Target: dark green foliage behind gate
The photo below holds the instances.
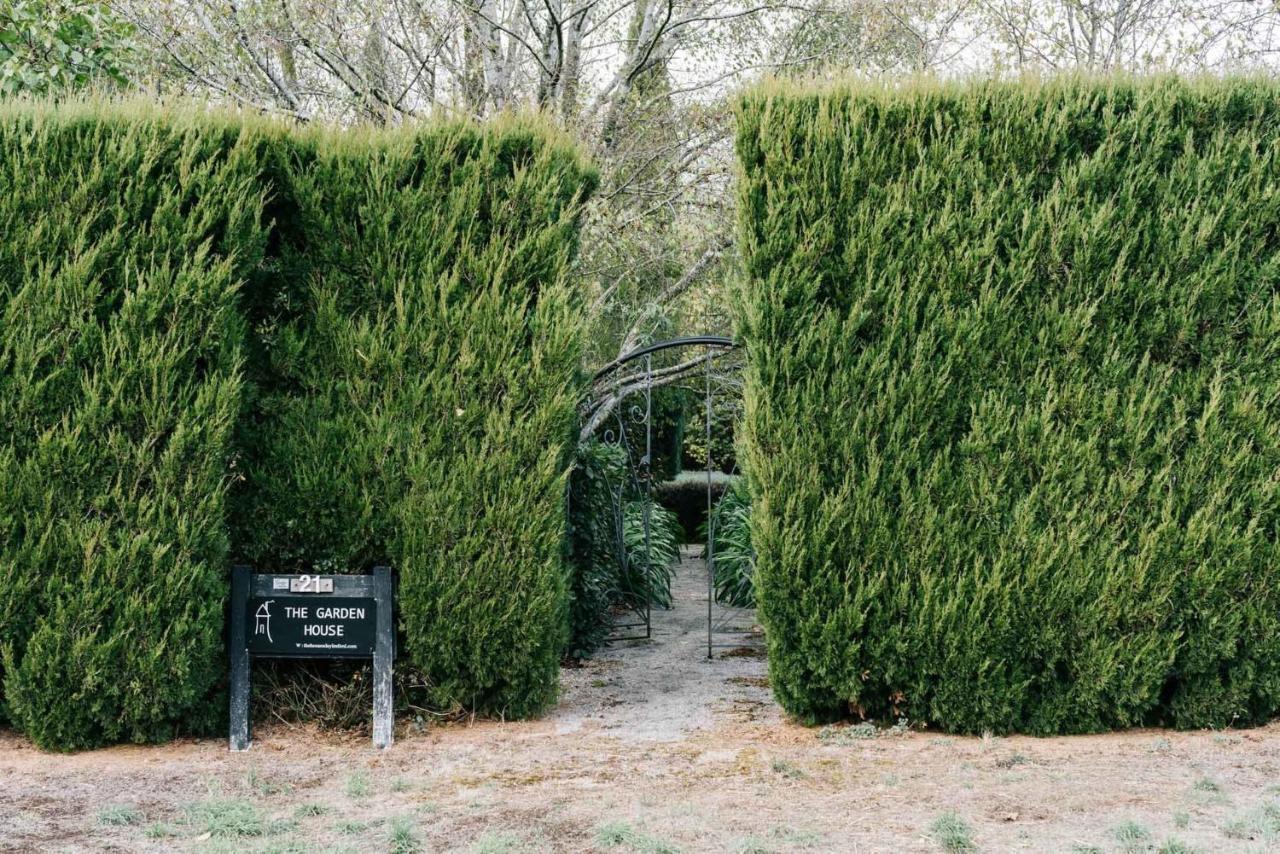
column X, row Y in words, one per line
column 610, row 563
column 417, row 356
column 1013, row 400
column 664, row 440
column 734, row 557
column 123, row 236
column 597, row 488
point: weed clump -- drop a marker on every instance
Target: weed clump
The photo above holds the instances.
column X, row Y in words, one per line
column 952, row 833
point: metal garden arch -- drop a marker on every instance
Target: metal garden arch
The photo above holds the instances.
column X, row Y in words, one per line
column 631, row 379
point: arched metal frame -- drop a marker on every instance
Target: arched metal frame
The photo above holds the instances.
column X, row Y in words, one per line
column 723, row 621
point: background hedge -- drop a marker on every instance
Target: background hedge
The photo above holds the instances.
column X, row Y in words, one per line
column 1013, row 400
column 416, row 353
column 123, row 236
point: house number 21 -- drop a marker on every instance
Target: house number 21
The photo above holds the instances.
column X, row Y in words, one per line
column 310, row 584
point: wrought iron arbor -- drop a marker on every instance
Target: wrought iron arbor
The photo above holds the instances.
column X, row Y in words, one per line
column 631, row 380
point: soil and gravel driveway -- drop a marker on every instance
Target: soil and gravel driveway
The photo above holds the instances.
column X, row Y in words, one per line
column 653, row 748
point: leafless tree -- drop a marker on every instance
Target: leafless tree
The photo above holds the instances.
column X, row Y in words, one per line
column 645, row 86
column 1135, row 35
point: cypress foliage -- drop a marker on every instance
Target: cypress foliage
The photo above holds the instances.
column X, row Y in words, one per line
column 124, row 236
column 416, row 359
column 1013, row 400
column 394, row 382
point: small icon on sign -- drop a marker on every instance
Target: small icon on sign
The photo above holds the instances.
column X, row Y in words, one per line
column 262, row 620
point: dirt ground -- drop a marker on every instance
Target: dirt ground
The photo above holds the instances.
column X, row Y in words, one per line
column 652, row 749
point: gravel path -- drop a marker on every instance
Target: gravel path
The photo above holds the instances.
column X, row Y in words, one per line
column 665, row 688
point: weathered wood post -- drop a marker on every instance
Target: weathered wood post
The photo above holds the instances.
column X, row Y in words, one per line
column 384, row 652
column 239, row 653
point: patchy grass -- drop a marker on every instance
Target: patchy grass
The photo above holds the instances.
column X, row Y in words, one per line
column 1204, row 784
column 160, row 830
column 619, row 834
column 1131, row 836
column 351, row 827
column 264, row 786
column 402, row 837
column 781, row 838
column 794, row 837
column 1011, row 761
column 358, row 785
column 952, row 833
column 787, row 769
column 231, row 846
column 1260, row 824
column 854, row 733
column 226, row 818
column 841, row 735
column 1175, row 846
column 119, row 815
column 400, row 785
column 311, row 810
column 1181, row 819
column 497, row 843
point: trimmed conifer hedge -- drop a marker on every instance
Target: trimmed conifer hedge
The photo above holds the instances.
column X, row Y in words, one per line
column 416, row 365
column 123, row 236
column 305, row 350
column 1013, row 400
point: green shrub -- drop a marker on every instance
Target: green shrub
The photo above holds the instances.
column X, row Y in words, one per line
column 1013, row 400
column 726, row 411
column 686, row 496
column 123, row 238
column 608, row 559
column 651, row 536
column 416, row 353
column 735, row 559
column 596, row 488
column 388, row 375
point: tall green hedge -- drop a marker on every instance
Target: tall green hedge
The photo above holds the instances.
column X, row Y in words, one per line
column 123, row 237
column 416, row 365
column 303, row 349
column 1013, row 400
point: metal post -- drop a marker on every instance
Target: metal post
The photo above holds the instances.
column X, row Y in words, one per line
column 238, row 649
column 711, row 554
column 648, row 486
column 384, row 652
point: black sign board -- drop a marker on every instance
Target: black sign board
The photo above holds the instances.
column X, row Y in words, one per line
column 297, row 627
column 311, row 616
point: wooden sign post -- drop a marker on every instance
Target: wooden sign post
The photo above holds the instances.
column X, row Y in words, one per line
column 311, row 616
